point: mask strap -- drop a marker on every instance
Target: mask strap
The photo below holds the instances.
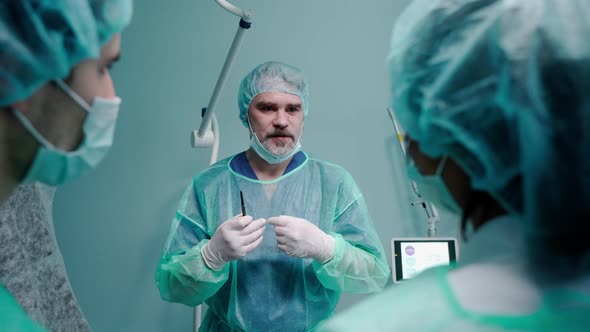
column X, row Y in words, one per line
column 250, row 127
column 441, row 166
column 31, row 129
column 73, row 95
column 300, row 133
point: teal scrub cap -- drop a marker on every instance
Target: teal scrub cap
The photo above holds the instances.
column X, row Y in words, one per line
column 41, row 40
column 272, row 76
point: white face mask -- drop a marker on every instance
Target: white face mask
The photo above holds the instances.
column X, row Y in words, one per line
column 53, row 166
column 432, row 187
column 268, row 156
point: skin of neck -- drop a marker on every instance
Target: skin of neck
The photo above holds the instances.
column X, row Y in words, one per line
column 485, row 211
column 263, row 170
column 17, row 151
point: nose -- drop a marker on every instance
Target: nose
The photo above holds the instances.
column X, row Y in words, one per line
column 280, row 119
column 108, row 87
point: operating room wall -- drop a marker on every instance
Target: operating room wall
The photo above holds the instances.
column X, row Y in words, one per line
column 112, row 223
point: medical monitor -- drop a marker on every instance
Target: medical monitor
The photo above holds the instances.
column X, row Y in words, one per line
column 410, row 256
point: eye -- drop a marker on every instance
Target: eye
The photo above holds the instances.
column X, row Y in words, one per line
column 104, row 69
column 293, row 109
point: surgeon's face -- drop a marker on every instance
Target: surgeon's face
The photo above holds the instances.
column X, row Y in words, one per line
column 56, row 115
column 424, row 164
column 277, row 119
column 455, row 179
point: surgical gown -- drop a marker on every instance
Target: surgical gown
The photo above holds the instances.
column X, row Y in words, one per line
column 491, row 290
column 31, row 265
column 268, row 290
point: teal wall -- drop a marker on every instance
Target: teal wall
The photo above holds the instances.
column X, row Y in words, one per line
column 112, row 224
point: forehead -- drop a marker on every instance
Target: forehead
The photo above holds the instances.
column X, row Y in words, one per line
column 276, row 97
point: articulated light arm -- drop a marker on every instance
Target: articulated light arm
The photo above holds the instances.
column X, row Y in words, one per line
column 204, row 137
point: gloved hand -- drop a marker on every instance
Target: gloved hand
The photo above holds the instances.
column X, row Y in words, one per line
column 300, row 238
column 233, row 239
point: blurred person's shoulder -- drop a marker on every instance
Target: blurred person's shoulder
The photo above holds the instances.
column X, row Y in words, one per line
column 418, row 304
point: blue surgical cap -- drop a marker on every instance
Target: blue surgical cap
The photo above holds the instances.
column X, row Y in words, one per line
column 502, row 87
column 272, row 76
column 41, row 40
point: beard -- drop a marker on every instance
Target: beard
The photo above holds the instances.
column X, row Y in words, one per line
column 279, row 148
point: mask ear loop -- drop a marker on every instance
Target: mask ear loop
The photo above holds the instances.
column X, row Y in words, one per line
column 252, row 130
column 441, row 166
column 32, row 130
column 79, row 100
column 300, row 134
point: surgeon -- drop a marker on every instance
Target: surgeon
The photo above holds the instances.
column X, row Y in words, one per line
column 58, row 109
column 303, row 237
column 494, row 98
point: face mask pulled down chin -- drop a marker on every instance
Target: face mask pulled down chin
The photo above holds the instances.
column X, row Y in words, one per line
column 432, row 187
column 268, row 156
column 53, row 166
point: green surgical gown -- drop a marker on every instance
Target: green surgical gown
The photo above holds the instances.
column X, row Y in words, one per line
column 490, row 290
column 268, row 290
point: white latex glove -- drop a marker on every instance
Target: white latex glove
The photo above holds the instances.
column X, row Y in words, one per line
column 300, row 238
column 233, row 239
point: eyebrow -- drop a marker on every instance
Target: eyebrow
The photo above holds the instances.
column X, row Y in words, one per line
column 270, row 103
column 262, row 103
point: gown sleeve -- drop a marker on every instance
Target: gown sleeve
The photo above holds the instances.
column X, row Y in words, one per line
column 182, row 275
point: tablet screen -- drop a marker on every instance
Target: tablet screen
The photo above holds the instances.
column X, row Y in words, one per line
column 414, row 255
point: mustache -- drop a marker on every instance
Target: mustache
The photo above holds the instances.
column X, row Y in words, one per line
column 281, row 133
